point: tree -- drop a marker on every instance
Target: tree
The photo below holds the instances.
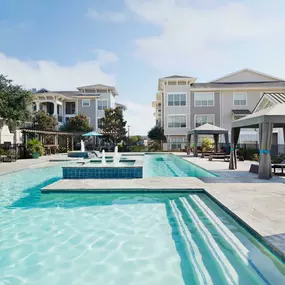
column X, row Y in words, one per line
column 14, row 101
column 78, row 123
column 44, row 121
column 113, row 125
column 135, row 140
column 157, row 134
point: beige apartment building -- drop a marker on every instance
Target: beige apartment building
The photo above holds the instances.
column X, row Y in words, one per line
column 182, row 104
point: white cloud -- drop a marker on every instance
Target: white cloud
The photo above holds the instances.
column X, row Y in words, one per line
column 51, row 75
column 139, row 117
column 104, row 56
column 223, row 37
column 106, row 16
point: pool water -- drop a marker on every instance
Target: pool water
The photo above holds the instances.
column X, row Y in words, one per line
column 168, row 165
column 102, row 239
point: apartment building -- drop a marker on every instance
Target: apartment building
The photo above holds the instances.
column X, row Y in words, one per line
column 182, row 104
column 90, row 101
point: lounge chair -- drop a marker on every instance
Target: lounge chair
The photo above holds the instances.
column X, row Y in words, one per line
column 97, row 153
column 279, row 166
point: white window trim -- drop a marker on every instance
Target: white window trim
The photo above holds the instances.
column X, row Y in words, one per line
column 89, row 120
column 177, row 115
column 85, row 106
column 101, row 100
column 234, row 93
column 197, row 115
column 204, row 93
column 173, row 93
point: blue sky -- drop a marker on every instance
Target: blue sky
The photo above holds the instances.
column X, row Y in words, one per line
column 61, row 44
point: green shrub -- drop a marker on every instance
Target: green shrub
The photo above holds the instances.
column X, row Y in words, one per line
column 34, row 146
column 207, row 144
column 138, row 148
column 62, row 149
column 255, row 157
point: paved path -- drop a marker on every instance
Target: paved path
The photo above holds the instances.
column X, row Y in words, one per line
column 225, row 175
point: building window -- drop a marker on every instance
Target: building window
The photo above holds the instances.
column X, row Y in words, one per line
column 89, row 120
column 203, row 119
column 100, row 123
column 176, row 99
column 204, row 99
column 240, row 99
column 177, row 143
column 85, row 102
column 177, row 121
column 69, row 108
column 102, row 105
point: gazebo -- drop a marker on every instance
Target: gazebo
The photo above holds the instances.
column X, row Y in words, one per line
column 265, row 120
column 208, row 129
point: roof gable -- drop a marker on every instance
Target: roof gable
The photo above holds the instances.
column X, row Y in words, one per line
column 176, row 76
column 246, row 75
column 95, row 86
column 269, row 100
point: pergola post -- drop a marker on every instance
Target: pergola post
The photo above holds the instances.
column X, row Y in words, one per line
column 72, row 143
column 234, row 140
column 216, row 139
column 227, row 142
column 67, row 143
column 189, row 141
column 264, row 171
column 195, row 144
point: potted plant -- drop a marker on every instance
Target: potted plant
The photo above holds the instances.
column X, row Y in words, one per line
column 35, row 148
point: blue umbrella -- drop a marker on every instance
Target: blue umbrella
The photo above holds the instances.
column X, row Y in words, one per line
column 92, row 134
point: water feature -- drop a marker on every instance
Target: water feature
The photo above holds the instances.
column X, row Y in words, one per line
column 103, row 157
column 116, row 156
column 82, row 146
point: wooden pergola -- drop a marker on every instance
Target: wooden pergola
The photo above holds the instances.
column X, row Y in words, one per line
column 50, row 147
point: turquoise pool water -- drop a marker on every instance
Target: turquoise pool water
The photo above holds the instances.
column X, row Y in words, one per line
column 168, row 165
column 154, row 239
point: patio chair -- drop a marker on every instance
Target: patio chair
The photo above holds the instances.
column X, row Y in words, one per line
column 97, row 153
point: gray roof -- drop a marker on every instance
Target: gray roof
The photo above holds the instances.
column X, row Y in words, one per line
column 218, row 85
column 176, row 76
column 241, row 112
column 68, row 93
column 274, row 114
column 208, row 129
column 124, row 107
column 96, row 86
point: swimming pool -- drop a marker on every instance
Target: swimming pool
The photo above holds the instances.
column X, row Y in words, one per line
column 169, row 165
column 157, row 238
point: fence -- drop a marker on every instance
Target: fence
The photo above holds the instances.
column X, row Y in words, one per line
column 247, row 150
column 15, row 149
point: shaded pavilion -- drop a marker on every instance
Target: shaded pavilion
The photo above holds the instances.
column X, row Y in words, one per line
column 265, row 120
column 208, row 129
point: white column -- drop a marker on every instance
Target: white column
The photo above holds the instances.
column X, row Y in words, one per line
column 37, row 106
column 55, row 108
